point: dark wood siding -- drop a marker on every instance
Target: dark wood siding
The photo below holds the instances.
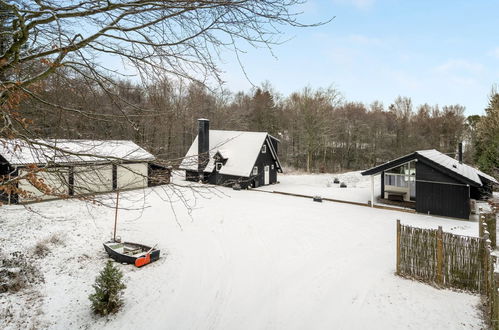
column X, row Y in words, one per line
column 4, row 172
column 263, row 160
column 439, row 194
column 191, row 176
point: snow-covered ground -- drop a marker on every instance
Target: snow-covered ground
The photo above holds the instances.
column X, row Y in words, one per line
column 235, row 260
column 358, row 187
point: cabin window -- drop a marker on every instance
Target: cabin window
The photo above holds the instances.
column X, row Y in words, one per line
column 218, row 166
column 255, row 170
column 272, row 166
column 264, row 149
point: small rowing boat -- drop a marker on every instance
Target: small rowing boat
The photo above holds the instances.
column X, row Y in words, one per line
column 131, row 253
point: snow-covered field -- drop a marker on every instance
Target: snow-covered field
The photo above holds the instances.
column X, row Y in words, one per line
column 238, row 260
column 358, row 187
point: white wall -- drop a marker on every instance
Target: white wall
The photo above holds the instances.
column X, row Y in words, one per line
column 93, row 179
column 87, row 179
column 131, row 176
column 54, row 178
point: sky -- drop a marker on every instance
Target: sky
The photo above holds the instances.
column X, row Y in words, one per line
column 436, row 52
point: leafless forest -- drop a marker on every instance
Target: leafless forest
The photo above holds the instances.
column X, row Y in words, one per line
column 319, row 130
column 53, row 84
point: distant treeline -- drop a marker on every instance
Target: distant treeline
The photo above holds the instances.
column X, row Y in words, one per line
column 319, row 130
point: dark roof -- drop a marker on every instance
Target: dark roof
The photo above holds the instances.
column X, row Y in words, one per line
column 444, row 163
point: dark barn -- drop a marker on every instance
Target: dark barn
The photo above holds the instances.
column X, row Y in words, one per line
column 433, row 183
column 232, row 158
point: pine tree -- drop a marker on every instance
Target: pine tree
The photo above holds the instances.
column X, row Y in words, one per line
column 487, row 140
column 108, row 290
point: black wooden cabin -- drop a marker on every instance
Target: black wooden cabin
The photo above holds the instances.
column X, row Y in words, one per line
column 435, row 183
column 232, row 158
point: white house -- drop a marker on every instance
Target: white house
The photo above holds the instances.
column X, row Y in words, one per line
column 72, row 167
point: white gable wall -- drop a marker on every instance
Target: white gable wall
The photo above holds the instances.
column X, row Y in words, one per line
column 93, row 179
column 131, row 176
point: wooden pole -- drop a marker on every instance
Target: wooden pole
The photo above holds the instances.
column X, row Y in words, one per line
column 440, row 256
column 494, row 319
column 398, row 247
column 116, row 214
column 9, row 192
column 372, row 190
column 480, row 225
column 486, row 257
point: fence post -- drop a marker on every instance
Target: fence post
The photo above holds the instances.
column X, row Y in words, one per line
column 480, row 225
column 490, row 279
column 490, row 219
column 440, row 256
column 486, row 264
column 494, row 318
column 398, row 246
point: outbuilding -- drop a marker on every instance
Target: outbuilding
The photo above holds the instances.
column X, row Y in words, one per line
column 433, row 182
column 232, row 158
column 71, row 167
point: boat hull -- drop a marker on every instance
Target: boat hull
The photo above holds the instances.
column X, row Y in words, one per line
column 117, row 251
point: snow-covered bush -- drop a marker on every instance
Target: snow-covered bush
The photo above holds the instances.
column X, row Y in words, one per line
column 109, row 288
column 42, row 248
column 17, row 272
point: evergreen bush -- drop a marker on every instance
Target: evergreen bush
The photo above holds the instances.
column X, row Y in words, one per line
column 109, row 288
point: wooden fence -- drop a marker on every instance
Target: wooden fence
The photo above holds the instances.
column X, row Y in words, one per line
column 452, row 261
column 439, row 258
column 490, row 220
column 487, row 222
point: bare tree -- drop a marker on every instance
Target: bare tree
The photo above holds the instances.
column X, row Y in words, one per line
column 40, row 39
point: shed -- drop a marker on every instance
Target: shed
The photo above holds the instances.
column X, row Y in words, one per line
column 72, row 167
column 434, row 182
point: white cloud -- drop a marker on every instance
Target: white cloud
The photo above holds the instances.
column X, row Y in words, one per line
column 360, row 4
column 459, row 65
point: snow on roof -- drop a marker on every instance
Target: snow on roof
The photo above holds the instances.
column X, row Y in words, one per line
column 21, row 152
column 486, row 176
column 437, row 157
column 243, row 148
column 454, row 165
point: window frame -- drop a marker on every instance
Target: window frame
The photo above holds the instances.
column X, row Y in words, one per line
column 255, row 170
column 264, row 149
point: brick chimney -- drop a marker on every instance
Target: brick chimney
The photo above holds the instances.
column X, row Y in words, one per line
column 203, row 144
column 460, row 153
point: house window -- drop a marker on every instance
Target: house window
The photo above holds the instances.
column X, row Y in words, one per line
column 272, row 166
column 255, row 170
column 264, row 149
column 218, row 166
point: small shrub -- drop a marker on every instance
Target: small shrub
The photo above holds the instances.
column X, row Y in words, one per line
column 343, row 185
column 336, row 180
column 17, row 272
column 41, row 249
column 108, row 290
column 55, row 239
